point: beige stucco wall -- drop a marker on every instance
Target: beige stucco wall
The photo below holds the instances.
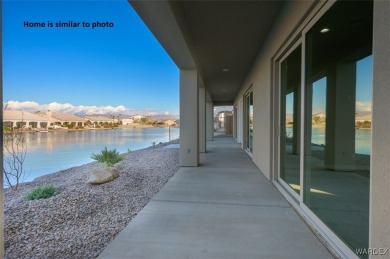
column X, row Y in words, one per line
column 380, row 162
column 260, row 77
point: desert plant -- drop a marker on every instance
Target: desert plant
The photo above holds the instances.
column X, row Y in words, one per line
column 109, row 157
column 42, row 192
column 14, row 154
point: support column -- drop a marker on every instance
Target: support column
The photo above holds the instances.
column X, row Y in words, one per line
column 189, row 121
column 340, row 117
column 380, row 162
column 202, row 120
column 209, row 121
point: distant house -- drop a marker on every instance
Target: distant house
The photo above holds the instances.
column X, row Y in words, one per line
column 363, row 118
column 47, row 115
column 22, row 119
column 363, row 121
column 64, row 119
column 319, row 118
column 127, row 121
column 99, row 120
column 137, row 118
column 169, row 122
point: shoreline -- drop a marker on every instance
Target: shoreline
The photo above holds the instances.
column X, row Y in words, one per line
column 323, row 126
column 51, row 152
column 82, row 219
column 124, row 153
column 132, row 126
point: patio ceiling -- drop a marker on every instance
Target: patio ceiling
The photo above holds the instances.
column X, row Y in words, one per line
column 211, row 36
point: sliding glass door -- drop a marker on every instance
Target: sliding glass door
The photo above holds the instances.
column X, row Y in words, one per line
column 290, row 102
column 325, row 84
column 249, row 121
column 338, row 120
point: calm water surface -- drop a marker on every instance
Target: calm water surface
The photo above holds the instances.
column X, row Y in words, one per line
column 53, row 151
column 362, row 139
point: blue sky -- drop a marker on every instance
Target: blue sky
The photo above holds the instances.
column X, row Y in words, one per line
column 119, row 66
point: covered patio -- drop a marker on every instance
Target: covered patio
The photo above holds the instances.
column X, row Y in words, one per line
column 225, row 208
column 268, row 60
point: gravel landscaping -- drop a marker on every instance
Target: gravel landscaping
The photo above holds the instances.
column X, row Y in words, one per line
column 82, row 219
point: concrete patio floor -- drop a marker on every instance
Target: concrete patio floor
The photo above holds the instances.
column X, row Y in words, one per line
column 225, row 208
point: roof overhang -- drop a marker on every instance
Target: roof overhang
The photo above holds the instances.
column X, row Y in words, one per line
column 220, row 39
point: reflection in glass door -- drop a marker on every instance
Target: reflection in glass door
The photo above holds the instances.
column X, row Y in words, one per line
column 249, row 120
column 338, row 120
column 329, row 166
column 290, row 119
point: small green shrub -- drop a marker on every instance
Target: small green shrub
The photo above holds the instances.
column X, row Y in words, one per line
column 110, row 157
column 42, row 192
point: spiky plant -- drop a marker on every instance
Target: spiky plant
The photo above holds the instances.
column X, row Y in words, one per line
column 109, row 157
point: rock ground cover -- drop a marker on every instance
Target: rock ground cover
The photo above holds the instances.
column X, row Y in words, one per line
column 82, row 219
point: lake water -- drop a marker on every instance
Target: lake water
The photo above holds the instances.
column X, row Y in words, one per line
column 53, row 151
column 362, row 139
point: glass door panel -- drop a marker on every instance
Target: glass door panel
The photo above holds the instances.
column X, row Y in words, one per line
column 338, row 120
column 290, row 119
column 249, row 115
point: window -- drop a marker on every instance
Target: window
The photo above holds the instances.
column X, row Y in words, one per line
column 335, row 147
column 249, row 121
column 290, row 119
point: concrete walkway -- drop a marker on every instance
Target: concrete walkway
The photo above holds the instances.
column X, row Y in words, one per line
column 224, row 208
